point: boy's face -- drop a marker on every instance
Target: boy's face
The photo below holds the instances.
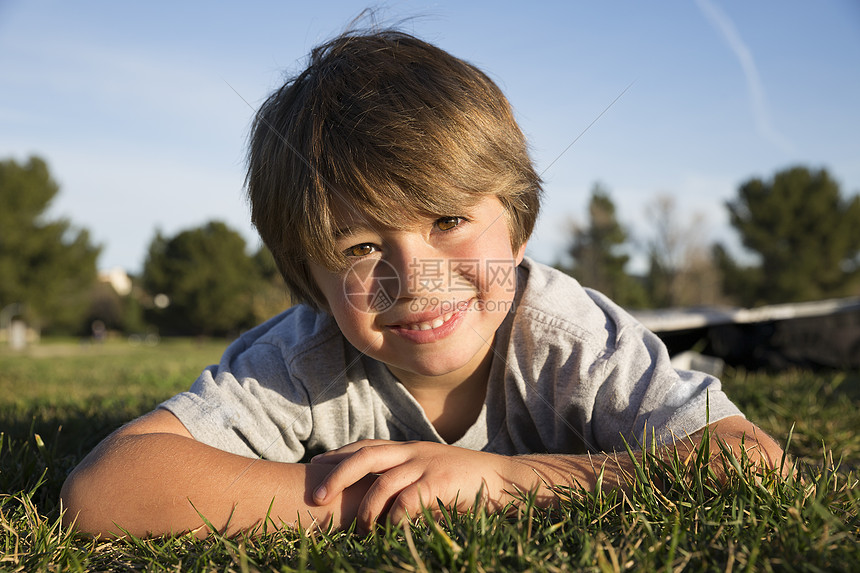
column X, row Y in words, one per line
column 425, row 300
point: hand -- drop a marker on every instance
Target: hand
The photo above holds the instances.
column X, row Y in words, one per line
column 334, row 457
column 413, row 475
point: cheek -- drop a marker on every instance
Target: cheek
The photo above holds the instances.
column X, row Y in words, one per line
column 354, row 324
column 490, row 264
column 349, row 291
column 324, row 280
column 368, row 285
column 499, row 278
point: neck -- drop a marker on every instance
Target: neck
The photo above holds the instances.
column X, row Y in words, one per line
column 452, row 402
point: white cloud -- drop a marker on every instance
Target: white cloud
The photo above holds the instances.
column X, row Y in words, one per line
column 729, row 32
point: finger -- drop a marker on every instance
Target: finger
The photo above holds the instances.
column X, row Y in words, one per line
column 354, row 446
column 409, row 504
column 336, row 455
column 367, row 460
column 329, row 458
column 384, row 492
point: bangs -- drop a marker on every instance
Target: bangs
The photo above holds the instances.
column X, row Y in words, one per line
column 380, row 129
column 379, row 205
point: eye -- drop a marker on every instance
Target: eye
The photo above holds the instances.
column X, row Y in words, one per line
column 448, row 223
column 361, row 250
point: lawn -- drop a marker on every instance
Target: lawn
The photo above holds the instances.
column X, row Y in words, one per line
column 59, row 399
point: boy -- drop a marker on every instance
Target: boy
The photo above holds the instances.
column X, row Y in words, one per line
column 430, row 359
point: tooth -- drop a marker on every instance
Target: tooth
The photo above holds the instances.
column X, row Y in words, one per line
column 437, row 323
column 424, row 326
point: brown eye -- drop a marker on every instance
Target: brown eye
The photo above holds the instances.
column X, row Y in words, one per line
column 447, row 223
column 361, row 250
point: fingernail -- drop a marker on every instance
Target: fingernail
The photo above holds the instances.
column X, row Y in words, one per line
column 319, row 494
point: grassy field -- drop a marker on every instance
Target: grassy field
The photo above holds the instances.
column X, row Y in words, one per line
column 59, row 399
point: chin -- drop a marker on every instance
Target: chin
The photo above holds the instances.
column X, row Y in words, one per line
column 435, row 367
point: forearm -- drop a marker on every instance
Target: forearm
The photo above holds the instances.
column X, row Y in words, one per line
column 166, row 483
column 617, row 469
column 413, row 475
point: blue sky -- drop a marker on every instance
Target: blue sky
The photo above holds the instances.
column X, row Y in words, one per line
column 142, row 110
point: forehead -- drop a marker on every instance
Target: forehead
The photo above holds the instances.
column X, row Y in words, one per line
column 354, row 222
column 350, row 217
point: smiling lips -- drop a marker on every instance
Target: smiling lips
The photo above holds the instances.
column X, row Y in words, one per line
column 432, row 323
column 435, row 323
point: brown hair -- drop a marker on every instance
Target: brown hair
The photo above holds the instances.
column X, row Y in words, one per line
column 385, row 125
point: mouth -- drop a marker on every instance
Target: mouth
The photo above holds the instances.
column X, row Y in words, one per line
column 424, row 328
column 429, row 325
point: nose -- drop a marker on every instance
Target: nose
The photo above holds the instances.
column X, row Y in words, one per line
column 420, row 269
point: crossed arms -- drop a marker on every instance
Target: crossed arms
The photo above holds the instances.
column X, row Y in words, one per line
column 151, row 477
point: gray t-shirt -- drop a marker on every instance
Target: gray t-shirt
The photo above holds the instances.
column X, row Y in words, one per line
column 571, row 373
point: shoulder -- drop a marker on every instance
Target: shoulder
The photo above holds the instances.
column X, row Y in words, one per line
column 296, row 332
column 550, row 300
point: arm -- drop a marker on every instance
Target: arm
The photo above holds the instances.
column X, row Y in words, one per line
column 735, row 432
column 152, row 477
column 415, row 474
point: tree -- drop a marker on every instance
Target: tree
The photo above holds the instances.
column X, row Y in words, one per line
column 739, row 282
column 805, row 233
column 204, row 279
column 48, row 266
column 271, row 296
column 681, row 270
column 597, row 252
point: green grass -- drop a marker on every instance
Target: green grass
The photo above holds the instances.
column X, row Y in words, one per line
column 60, row 399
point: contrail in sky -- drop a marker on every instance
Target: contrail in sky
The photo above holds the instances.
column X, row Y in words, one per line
column 719, row 20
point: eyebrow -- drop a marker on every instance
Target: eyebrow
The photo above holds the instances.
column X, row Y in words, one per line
column 349, row 230
column 363, row 226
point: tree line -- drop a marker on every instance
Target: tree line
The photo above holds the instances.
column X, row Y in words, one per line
column 206, row 280
column 201, row 281
column 802, row 235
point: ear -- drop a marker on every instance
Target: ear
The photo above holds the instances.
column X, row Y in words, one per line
column 521, row 252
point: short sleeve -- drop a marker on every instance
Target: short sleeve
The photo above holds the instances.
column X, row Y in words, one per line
column 642, row 396
column 580, row 374
column 247, row 405
column 262, row 398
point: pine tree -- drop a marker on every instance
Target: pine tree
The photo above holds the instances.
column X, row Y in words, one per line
column 48, row 267
column 806, row 234
column 597, row 252
column 210, row 283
